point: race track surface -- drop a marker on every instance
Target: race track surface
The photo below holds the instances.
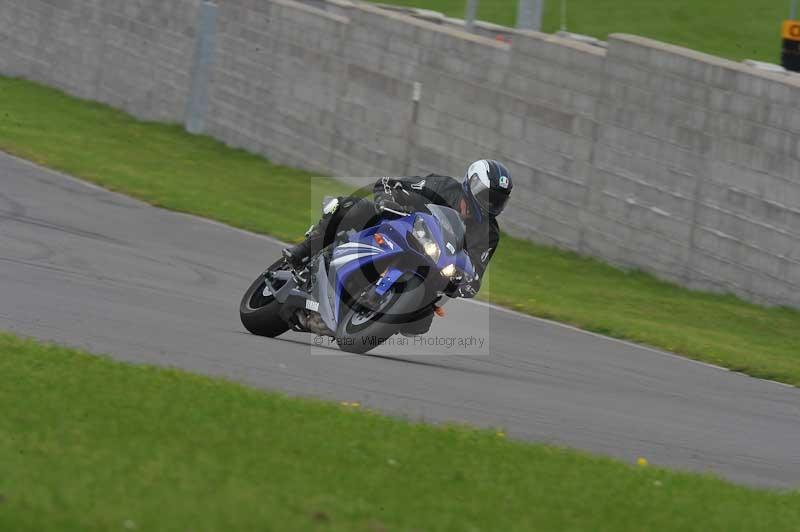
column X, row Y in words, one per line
column 96, row 270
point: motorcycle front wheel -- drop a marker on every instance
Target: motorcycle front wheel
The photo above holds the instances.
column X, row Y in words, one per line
column 363, row 328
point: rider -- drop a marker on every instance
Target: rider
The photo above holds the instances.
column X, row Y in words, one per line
column 479, row 199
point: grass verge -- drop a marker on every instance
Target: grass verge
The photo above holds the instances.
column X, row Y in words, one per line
column 165, row 166
column 92, row 444
column 736, row 29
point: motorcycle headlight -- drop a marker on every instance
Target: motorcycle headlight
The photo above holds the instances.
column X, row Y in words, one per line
column 432, row 249
column 424, row 237
column 449, row 270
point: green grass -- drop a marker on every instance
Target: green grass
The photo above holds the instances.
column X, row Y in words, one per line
column 157, row 163
column 91, row 444
column 736, row 29
column 165, row 166
column 721, row 329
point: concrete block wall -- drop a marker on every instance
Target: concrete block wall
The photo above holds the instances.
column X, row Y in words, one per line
column 275, row 81
column 132, row 54
column 642, row 154
column 547, row 134
column 696, row 171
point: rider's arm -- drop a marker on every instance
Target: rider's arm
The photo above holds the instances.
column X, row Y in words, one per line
column 410, row 192
column 480, row 255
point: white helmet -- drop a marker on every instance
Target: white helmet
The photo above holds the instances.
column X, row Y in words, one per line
column 488, row 185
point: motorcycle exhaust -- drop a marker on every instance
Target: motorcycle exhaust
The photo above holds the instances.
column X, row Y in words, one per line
column 313, row 322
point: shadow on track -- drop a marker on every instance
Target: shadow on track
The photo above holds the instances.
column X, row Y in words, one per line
column 415, row 361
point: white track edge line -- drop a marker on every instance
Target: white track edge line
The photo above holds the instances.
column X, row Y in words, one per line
column 621, row 341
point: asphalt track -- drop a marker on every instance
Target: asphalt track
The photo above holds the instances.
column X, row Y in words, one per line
column 97, row 270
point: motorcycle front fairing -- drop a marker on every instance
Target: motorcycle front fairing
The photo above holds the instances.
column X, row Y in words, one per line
column 356, row 262
column 379, row 257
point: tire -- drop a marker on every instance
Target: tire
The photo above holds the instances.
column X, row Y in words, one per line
column 259, row 313
column 362, row 330
column 419, row 326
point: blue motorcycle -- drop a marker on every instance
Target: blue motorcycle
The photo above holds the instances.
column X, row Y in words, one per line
column 367, row 285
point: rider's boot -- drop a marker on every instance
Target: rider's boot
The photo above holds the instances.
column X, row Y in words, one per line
column 298, row 255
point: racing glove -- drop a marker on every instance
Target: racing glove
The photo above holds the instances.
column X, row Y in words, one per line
column 461, row 287
column 467, row 291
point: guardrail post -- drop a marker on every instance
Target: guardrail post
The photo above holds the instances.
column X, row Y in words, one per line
column 472, row 11
column 538, row 11
column 529, row 14
column 197, row 105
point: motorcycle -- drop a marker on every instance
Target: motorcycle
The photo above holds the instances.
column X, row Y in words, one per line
column 367, row 285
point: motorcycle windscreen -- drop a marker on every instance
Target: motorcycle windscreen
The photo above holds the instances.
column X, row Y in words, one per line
column 453, row 229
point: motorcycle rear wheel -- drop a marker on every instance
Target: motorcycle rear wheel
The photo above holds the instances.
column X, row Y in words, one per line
column 260, row 311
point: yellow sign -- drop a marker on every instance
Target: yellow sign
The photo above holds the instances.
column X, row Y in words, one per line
column 791, row 30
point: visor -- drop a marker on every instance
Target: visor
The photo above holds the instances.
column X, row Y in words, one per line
column 490, row 201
